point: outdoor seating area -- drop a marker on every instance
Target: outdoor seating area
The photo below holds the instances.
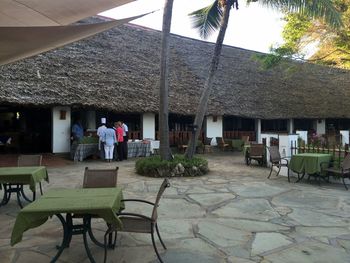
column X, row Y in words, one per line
column 200, row 219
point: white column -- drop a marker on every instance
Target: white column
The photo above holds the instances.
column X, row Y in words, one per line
column 320, row 126
column 91, row 120
column 61, row 129
column 148, row 126
column 258, row 130
column 214, row 127
column 290, row 126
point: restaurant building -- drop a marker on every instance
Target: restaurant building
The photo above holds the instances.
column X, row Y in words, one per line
column 115, row 74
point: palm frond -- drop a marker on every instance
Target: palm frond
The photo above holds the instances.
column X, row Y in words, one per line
column 207, row 20
column 324, row 9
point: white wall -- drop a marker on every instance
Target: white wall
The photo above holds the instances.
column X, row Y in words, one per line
column 320, row 126
column 302, row 135
column 214, row 129
column 149, row 126
column 61, row 130
column 345, row 137
column 258, row 130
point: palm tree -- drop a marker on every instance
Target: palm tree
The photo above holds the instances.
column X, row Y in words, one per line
column 164, row 148
column 216, row 16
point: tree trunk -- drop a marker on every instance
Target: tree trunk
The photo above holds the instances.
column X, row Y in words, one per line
column 164, row 148
column 203, row 104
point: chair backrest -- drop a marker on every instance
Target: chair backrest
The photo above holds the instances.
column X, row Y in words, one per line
column 275, row 156
column 346, row 162
column 257, row 149
column 207, row 141
column 100, row 178
column 29, row 160
column 219, row 140
column 162, row 188
column 245, row 138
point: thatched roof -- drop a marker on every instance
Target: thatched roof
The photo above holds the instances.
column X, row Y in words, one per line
column 119, row 70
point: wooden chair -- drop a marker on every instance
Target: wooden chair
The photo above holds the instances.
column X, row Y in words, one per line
column 342, row 172
column 207, row 145
column 245, row 139
column 29, row 160
column 221, row 143
column 138, row 223
column 256, row 152
column 100, row 178
column 277, row 160
column 182, row 146
column 96, row 178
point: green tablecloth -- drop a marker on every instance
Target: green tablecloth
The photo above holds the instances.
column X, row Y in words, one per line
column 103, row 202
column 308, row 163
column 23, row 175
column 237, row 144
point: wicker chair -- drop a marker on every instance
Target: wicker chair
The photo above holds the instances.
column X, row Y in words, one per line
column 277, row 160
column 342, row 172
column 221, row 143
column 139, row 223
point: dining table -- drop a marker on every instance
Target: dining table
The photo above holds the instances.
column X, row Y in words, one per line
column 13, row 179
column 87, row 202
column 309, row 163
column 139, row 149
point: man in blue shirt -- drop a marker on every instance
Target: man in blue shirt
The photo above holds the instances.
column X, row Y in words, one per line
column 77, row 130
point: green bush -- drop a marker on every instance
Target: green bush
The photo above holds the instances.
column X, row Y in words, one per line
column 87, row 140
column 180, row 166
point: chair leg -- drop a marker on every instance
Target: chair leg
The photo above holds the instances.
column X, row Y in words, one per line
column 160, row 239
column 155, row 247
column 270, row 172
column 288, row 175
column 279, row 169
column 343, row 179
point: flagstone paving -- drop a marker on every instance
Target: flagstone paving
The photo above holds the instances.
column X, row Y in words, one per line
column 233, row 214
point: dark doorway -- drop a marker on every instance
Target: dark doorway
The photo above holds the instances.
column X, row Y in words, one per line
column 29, row 129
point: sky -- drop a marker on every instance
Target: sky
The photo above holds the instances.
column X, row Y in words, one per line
column 251, row 27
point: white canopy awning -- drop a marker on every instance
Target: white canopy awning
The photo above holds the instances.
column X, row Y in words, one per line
column 52, row 12
column 21, row 42
column 30, row 27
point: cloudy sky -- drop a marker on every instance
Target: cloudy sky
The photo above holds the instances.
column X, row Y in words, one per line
column 251, row 27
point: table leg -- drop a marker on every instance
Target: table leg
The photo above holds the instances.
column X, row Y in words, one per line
column 301, row 178
column 6, row 196
column 65, row 239
column 25, row 197
column 111, row 244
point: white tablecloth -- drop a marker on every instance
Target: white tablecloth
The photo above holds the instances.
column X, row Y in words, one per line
column 154, row 145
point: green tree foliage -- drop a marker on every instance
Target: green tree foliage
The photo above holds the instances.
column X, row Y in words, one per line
column 333, row 43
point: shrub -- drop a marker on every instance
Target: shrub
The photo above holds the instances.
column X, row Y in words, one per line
column 180, row 166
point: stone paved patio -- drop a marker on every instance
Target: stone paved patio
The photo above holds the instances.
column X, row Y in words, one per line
column 234, row 214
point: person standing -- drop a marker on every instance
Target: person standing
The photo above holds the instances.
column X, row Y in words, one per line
column 120, row 140
column 109, row 141
column 77, row 131
column 100, row 134
column 125, row 140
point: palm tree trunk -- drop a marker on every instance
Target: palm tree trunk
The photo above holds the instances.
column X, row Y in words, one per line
column 203, row 104
column 164, row 148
